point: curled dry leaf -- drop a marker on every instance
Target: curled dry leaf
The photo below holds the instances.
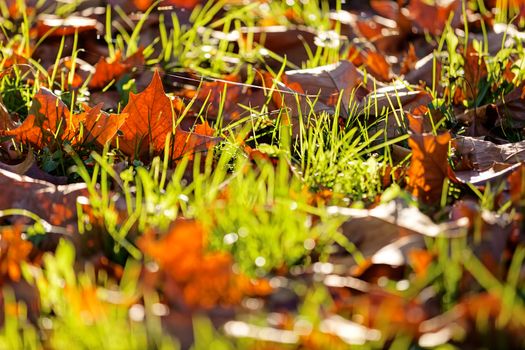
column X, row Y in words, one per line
column 324, row 82
column 371, row 230
column 54, row 204
column 152, row 116
column 484, row 161
column 429, row 166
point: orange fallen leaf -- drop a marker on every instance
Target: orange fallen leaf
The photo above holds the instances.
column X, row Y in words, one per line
column 107, row 70
column 429, row 166
column 206, row 279
column 13, row 250
column 410, row 60
column 212, row 93
column 49, row 120
column 152, row 116
column 101, row 126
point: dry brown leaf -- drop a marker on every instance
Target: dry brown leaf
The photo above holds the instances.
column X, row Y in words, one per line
column 483, row 155
column 326, row 82
column 432, row 15
column 371, row 230
column 429, row 166
column 54, row 204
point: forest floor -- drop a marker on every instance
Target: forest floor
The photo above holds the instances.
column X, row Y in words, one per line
column 262, row 174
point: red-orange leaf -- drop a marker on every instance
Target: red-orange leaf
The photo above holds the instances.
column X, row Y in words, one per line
column 48, row 119
column 429, row 166
column 13, row 250
column 108, row 69
column 151, row 119
column 432, row 16
column 152, row 116
column 101, row 126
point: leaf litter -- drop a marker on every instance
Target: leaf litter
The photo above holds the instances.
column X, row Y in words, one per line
column 367, row 156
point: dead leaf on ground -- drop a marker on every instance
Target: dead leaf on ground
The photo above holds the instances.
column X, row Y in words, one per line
column 152, row 116
column 429, row 166
column 433, row 16
column 482, row 155
column 54, row 204
column 107, row 70
column 371, row 230
column 326, row 82
column 203, row 279
column 50, row 25
column 50, row 120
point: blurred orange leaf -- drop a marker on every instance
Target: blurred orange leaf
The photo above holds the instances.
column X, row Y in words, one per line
column 432, row 15
column 205, row 279
column 13, row 250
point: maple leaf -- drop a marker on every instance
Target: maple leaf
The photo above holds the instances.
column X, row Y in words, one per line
column 49, row 120
column 151, row 118
column 429, row 166
column 101, row 126
column 107, row 70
